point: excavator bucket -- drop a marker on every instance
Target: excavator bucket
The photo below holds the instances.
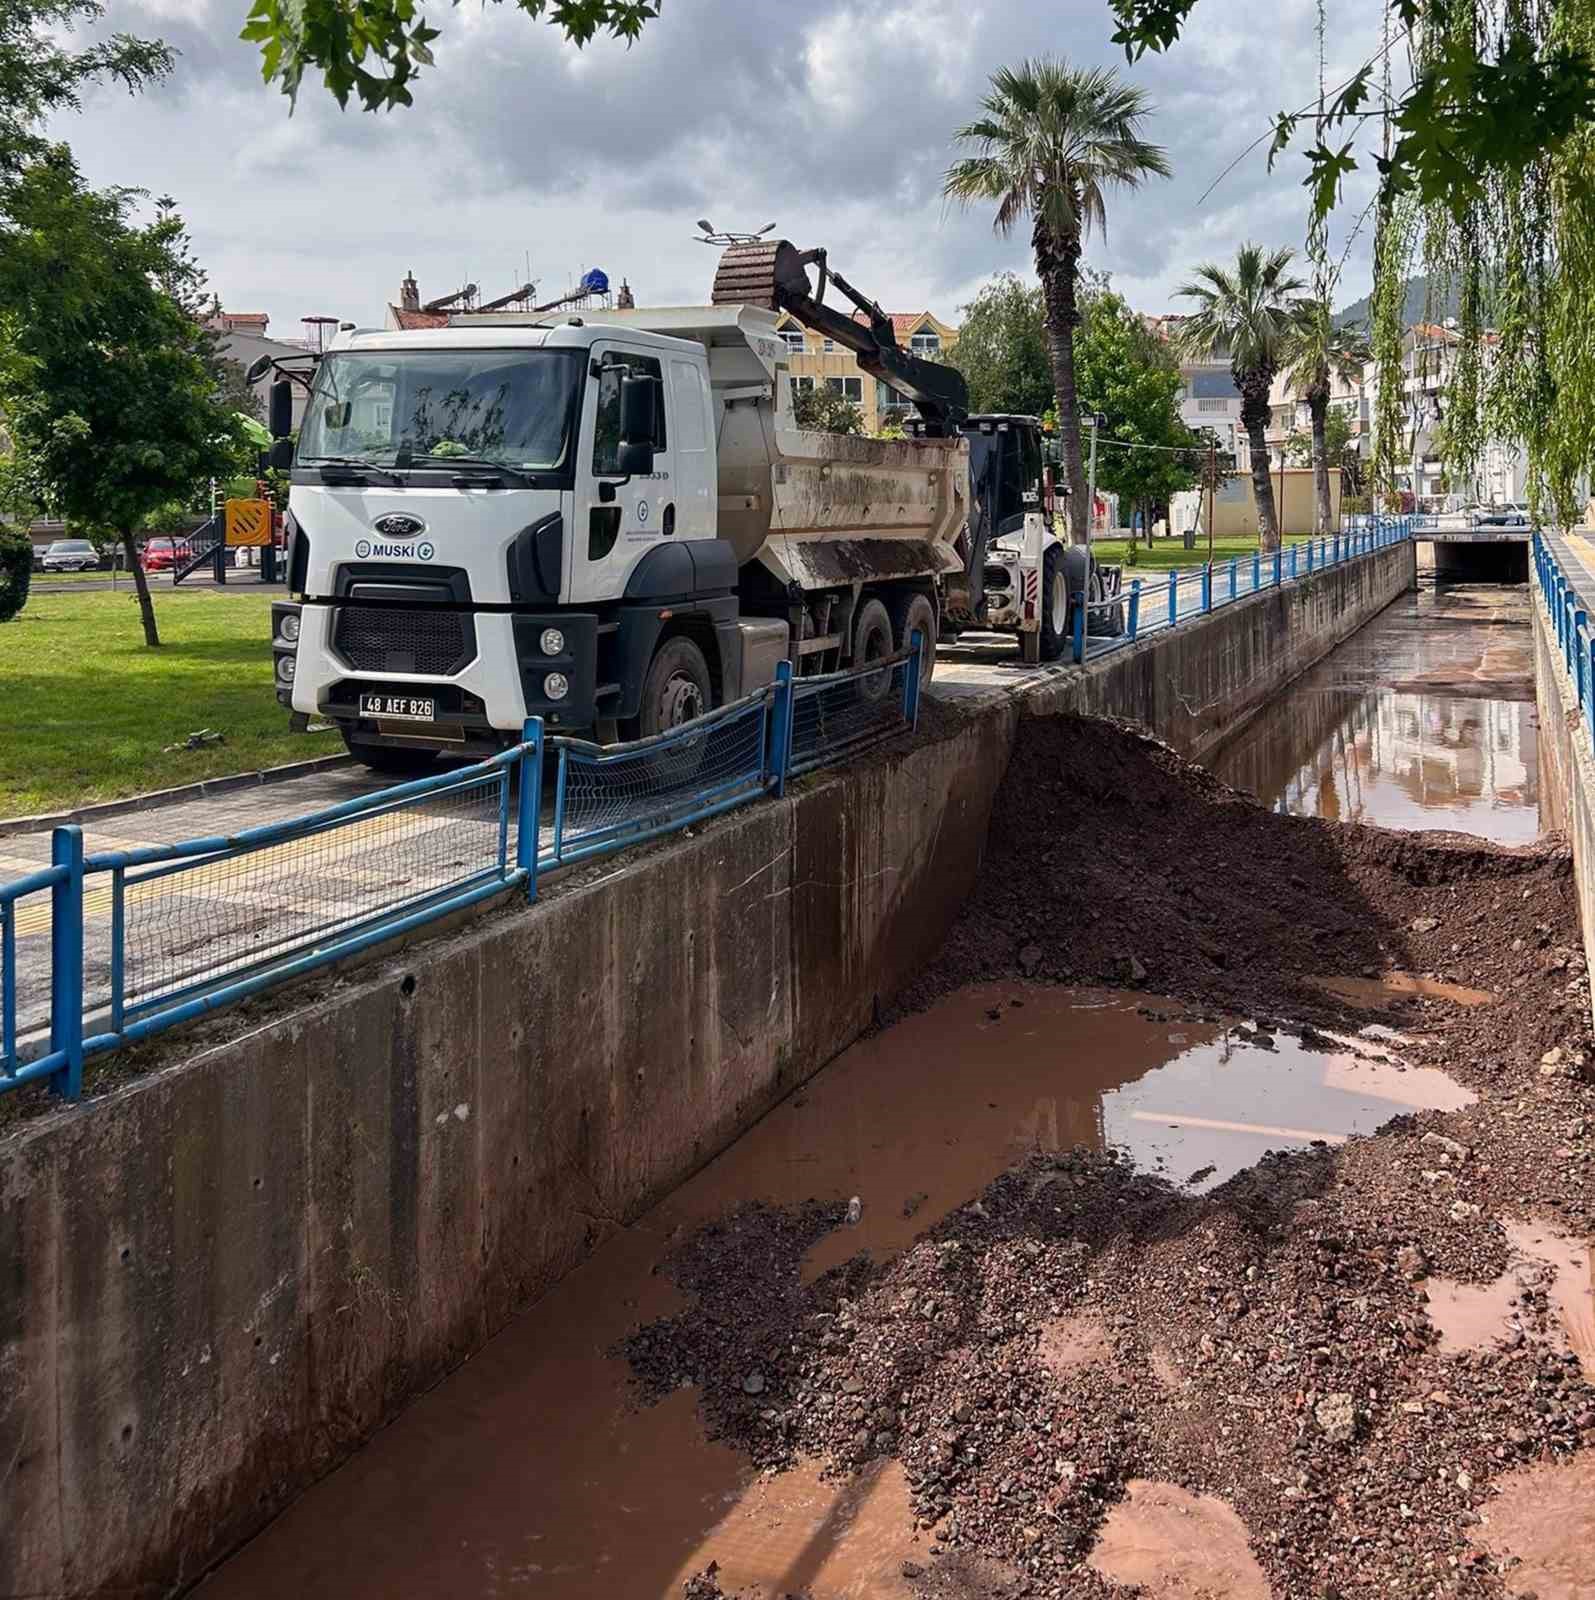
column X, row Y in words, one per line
column 760, row 274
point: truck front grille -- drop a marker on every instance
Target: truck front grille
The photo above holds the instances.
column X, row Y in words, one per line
column 996, row 577
column 435, row 642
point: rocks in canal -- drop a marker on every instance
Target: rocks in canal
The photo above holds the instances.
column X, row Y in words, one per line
column 1337, row 1417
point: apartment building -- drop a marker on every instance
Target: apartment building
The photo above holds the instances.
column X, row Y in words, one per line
column 817, row 360
column 1209, row 397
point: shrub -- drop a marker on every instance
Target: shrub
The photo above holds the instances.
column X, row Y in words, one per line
column 16, row 572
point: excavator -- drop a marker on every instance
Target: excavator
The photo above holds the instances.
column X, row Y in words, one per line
column 1010, row 475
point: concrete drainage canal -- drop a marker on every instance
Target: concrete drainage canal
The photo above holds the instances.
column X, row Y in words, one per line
column 1208, row 1217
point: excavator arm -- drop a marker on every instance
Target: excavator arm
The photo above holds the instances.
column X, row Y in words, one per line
column 773, row 273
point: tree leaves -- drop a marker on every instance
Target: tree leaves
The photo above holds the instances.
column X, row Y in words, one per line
column 40, row 75
column 374, row 49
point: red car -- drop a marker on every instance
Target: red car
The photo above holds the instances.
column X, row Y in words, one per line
column 160, row 554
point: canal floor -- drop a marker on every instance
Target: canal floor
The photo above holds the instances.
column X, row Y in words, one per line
column 1425, row 718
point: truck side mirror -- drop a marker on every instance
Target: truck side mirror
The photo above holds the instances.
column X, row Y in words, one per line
column 282, row 454
column 639, row 424
column 280, row 420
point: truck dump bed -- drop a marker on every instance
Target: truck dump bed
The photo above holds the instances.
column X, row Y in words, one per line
column 816, row 509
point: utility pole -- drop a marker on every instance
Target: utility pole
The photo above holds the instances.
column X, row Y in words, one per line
column 1097, row 422
column 1212, row 492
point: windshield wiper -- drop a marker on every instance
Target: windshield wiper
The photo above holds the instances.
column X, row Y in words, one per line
column 477, row 464
column 350, row 464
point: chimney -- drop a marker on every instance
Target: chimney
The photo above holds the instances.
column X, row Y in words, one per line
column 625, row 300
column 409, row 294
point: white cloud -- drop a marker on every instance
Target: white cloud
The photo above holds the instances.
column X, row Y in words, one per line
column 831, row 118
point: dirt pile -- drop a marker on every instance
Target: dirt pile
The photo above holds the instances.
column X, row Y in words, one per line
column 1081, row 1326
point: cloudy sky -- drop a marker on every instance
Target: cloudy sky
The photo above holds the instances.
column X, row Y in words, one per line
column 829, row 118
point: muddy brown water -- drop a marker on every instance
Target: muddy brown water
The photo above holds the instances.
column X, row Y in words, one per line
column 1422, row 719
column 531, row 1471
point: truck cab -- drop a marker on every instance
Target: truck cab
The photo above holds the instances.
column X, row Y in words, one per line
column 487, row 524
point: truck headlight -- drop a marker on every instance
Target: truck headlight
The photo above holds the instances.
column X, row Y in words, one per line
column 556, row 686
column 285, row 669
column 552, row 642
column 288, row 629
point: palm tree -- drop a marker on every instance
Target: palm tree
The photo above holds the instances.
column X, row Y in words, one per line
column 1050, row 141
column 1318, row 352
column 1248, row 312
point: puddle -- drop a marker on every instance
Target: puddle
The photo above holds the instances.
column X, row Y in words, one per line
column 1545, row 1516
column 532, row 1471
column 1375, row 993
column 1475, row 1316
column 794, row 1533
column 1176, row 1545
column 1424, row 718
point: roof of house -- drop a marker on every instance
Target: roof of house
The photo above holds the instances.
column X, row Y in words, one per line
column 904, row 323
column 418, row 319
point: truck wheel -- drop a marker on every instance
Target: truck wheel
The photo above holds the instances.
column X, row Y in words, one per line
column 389, row 760
column 910, row 611
column 1054, row 604
column 872, row 639
column 676, row 690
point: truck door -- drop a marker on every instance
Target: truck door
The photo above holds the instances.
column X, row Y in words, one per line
column 617, row 521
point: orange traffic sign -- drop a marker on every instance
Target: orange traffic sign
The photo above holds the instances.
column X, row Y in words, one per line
column 248, row 522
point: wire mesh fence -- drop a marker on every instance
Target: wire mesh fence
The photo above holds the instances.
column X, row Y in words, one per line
column 604, row 798
column 841, row 712
column 210, row 915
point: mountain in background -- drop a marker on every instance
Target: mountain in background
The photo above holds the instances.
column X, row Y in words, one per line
column 1415, row 310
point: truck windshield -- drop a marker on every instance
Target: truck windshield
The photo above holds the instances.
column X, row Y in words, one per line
column 511, row 407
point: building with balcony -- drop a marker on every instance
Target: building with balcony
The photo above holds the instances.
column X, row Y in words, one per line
column 816, row 360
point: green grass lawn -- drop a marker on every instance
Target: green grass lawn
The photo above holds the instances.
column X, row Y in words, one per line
column 1167, row 553
column 87, row 710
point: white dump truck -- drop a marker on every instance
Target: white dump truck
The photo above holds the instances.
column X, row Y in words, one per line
column 611, row 521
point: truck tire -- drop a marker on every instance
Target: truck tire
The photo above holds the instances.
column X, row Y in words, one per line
column 914, row 610
column 872, row 639
column 1054, row 601
column 676, row 689
column 390, row 760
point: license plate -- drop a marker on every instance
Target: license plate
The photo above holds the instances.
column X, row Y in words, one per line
column 398, row 707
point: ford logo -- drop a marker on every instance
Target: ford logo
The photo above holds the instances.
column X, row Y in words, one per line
column 399, row 525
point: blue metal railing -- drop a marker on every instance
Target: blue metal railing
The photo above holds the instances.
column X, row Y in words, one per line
column 1221, row 582
column 1575, row 638
column 181, row 930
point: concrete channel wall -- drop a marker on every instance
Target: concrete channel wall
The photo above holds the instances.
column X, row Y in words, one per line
column 1567, row 768
column 221, row 1278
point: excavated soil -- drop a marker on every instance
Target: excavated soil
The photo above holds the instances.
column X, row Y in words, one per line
column 1264, row 1351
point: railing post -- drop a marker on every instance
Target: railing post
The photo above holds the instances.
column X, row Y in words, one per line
column 1135, row 607
column 66, row 961
column 1174, row 594
column 1257, row 570
column 916, row 642
column 1078, row 627
column 561, row 773
column 1207, row 586
column 1232, row 561
column 1589, row 708
column 1295, row 552
column 530, row 802
column 1580, row 620
column 1337, row 549
column 780, row 730
column 1279, row 566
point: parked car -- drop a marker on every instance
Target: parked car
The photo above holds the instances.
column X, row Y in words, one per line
column 71, row 555
column 1513, row 514
column 160, row 553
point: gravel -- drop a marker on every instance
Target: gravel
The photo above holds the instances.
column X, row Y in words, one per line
column 1269, row 1340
